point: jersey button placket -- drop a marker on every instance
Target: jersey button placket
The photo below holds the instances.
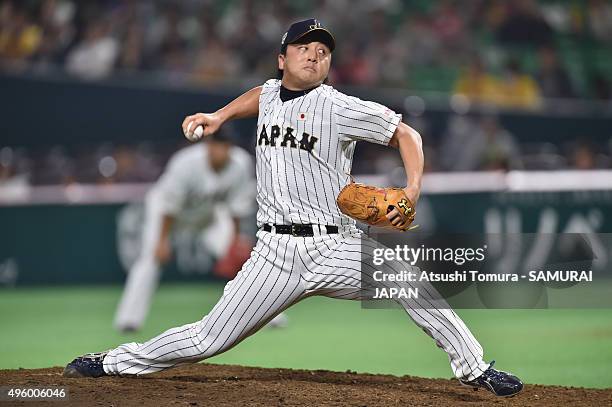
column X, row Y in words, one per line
column 282, row 195
column 277, row 169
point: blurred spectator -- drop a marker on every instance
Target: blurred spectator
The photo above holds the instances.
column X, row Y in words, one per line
column 449, row 26
column 8, row 167
column 56, row 166
column 392, row 72
column 20, row 37
column 354, row 67
column 471, row 145
column 131, row 57
column 524, row 25
column 251, row 40
column 599, row 14
column 514, row 89
column 517, row 89
column 419, row 38
column 94, row 57
column 447, row 22
column 583, row 156
column 458, row 151
column 542, row 156
column 561, row 17
column 125, row 163
column 13, row 183
column 552, row 77
column 494, row 15
column 499, row 148
column 58, row 33
column 476, row 83
column 214, row 61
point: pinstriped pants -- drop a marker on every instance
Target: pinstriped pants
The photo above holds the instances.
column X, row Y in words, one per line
column 281, row 271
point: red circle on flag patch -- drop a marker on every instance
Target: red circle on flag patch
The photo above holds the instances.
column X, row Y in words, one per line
column 302, row 116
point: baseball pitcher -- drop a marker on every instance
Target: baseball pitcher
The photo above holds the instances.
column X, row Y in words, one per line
column 308, row 243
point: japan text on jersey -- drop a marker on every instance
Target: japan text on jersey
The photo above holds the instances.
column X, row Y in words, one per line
column 304, row 149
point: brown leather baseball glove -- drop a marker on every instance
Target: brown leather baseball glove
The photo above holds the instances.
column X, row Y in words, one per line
column 370, row 204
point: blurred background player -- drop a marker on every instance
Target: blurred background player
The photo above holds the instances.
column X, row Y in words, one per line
column 207, row 188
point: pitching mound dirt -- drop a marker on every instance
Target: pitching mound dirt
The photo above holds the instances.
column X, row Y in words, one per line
column 219, row 385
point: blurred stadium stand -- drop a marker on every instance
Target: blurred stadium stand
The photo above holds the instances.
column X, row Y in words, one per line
column 548, row 48
column 94, row 92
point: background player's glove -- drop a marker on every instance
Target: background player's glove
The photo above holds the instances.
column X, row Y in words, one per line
column 239, row 252
column 371, row 204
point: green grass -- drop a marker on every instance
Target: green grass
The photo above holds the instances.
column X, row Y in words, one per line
column 48, row 326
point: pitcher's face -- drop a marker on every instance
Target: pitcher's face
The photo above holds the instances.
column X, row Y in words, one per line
column 305, row 66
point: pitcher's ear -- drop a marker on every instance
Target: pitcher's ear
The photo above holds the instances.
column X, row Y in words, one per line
column 281, row 61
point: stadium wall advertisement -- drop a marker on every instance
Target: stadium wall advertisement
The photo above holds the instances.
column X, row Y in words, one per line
column 96, row 243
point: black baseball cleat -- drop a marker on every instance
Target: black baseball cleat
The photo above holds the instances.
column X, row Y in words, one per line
column 128, row 329
column 89, row 365
column 502, row 384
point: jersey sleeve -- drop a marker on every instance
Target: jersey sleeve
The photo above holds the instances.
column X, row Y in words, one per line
column 358, row 119
column 270, row 86
column 269, row 90
column 241, row 195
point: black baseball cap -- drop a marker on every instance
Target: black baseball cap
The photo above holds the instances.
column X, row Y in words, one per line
column 226, row 134
column 306, row 31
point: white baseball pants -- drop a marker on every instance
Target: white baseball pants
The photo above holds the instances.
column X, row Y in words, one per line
column 143, row 277
column 281, row 271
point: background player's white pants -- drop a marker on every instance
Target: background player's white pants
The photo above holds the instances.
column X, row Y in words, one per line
column 281, row 271
column 143, row 277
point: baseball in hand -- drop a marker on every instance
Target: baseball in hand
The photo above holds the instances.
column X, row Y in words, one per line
column 197, row 133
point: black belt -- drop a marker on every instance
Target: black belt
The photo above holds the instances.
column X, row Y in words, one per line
column 296, row 229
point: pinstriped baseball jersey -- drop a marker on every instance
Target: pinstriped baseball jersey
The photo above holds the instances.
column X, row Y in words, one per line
column 305, row 151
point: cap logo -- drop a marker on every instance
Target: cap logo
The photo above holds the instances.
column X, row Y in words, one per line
column 284, row 38
column 315, row 25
